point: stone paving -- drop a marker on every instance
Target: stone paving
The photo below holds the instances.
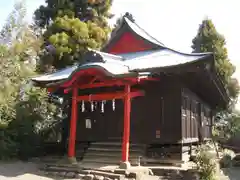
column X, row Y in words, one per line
column 29, row 170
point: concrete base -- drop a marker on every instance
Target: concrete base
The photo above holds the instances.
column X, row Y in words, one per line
column 72, row 160
column 137, row 173
column 124, row 165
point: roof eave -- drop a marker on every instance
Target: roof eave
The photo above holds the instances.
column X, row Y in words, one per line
column 197, row 63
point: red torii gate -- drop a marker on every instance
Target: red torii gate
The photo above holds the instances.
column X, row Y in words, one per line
column 126, row 95
column 95, row 79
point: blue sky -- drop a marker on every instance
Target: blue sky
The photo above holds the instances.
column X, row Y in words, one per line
column 6, row 7
column 173, row 22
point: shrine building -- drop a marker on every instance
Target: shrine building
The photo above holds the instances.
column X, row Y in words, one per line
column 138, row 99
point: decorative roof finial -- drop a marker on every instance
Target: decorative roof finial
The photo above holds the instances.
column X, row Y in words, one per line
column 129, row 16
column 92, row 56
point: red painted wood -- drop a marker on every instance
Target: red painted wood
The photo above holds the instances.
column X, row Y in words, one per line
column 87, row 81
column 117, row 82
column 109, row 96
column 111, row 82
column 73, row 124
column 103, row 84
column 86, row 76
column 51, row 89
column 128, row 43
column 126, row 130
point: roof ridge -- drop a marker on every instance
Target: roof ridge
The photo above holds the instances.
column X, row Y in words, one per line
column 169, row 49
column 107, row 54
column 189, row 54
column 116, row 59
column 134, row 22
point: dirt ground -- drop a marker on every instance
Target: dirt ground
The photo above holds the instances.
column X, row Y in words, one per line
column 28, row 171
column 21, row 171
column 230, row 174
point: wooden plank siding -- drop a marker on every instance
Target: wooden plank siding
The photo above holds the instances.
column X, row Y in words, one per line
column 196, row 117
column 169, row 113
column 155, row 118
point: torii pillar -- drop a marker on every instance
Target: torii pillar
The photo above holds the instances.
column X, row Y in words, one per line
column 73, row 126
column 126, row 131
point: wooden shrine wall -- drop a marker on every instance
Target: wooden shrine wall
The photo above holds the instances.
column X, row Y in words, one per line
column 196, row 117
column 168, row 93
column 169, row 113
column 155, row 118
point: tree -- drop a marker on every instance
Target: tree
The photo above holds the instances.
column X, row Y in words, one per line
column 228, row 127
column 85, row 10
column 22, row 107
column 71, row 38
column 71, row 28
column 15, row 23
column 209, row 40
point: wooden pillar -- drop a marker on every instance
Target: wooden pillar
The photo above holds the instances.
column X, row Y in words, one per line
column 73, row 124
column 126, row 126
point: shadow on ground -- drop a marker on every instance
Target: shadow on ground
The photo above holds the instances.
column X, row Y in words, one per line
column 231, row 173
column 20, row 170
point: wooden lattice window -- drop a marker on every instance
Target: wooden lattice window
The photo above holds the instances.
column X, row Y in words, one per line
column 207, row 116
column 194, row 117
column 184, row 106
column 193, row 109
column 184, row 117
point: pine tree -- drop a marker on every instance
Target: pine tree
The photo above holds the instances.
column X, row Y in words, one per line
column 72, row 26
column 85, row 10
column 209, row 40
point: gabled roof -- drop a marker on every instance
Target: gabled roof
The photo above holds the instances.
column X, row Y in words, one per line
column 141, row 32
column 133, row 27
column 159, row 58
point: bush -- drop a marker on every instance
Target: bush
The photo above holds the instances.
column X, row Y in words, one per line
column 18, row 140
column 206, row 165
column 3, row 126
column 7, row 145
column 21, row 137
column 226, row 160
column 22, row 106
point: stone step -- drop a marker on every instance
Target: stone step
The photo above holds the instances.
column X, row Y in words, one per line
column 170, row 149
column 78, row 173
column 111, row 152
column 60, row 168
column 81, row 149
column 47, row 159
column 118, row 144
column 106, row 149
column 108, row 161
column 81, row 173
column 107, row 156
column 166, row 161
column 110, row 155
